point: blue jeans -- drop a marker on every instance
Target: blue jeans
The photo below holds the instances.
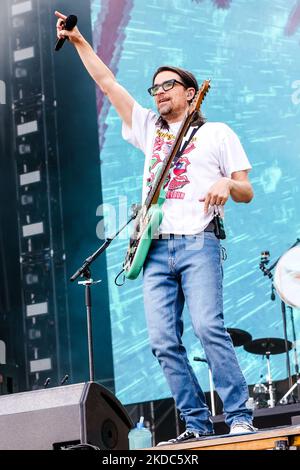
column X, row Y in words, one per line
column 188, row 268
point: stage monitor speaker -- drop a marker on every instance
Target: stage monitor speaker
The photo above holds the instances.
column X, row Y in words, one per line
column 62, row 417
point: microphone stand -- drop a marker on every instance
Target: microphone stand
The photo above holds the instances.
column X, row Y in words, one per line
column 85, row 272
column 267, row 272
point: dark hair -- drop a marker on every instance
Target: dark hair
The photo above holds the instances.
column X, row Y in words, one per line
column 187, row 77
column 190, row 81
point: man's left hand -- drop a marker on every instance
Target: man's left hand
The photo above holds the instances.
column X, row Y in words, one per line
column 218, row 194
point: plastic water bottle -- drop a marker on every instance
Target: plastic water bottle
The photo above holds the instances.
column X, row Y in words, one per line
column 140, row 437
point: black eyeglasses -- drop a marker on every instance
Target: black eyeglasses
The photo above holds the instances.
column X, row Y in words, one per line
column 166, row 86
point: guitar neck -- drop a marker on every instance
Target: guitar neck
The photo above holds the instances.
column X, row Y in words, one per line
column 155, row 190
column 153, row 195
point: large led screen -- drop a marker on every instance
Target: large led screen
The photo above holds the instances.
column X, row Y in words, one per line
column 250, row 51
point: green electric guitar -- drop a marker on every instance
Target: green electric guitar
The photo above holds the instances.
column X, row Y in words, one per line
column 150, row 215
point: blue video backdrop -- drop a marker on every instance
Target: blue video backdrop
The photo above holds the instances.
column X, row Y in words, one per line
column 250, row 50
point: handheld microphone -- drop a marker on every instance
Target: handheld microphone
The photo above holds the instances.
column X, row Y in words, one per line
column 70, row 23
column 135, row 208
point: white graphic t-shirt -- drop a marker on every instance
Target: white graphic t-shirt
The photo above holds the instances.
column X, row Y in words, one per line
column 214, row 151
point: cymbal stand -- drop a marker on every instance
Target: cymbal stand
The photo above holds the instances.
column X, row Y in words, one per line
column 294, row 344
column 284, row 399
column 270, row 382
column 288, row 364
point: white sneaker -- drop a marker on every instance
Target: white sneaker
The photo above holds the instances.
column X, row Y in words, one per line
column 186, row 436
column 242, row 428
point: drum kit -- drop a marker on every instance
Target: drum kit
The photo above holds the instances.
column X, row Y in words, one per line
column 286, row 282
column 265, row 347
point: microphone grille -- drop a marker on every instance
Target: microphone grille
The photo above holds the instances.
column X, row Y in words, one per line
column 71, row 22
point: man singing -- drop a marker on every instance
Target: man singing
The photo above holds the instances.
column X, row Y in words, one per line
column 184, row 261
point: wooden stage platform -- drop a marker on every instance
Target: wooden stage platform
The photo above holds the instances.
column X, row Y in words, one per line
column 287, row 437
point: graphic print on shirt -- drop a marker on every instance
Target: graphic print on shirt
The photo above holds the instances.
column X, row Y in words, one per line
column 177, row 178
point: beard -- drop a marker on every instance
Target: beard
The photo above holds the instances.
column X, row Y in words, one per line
column 165, row 108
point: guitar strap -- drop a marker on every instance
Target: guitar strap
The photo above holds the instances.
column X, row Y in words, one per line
column 219, row 229
column 184, row 146
column 182, row 149
column 175, row 159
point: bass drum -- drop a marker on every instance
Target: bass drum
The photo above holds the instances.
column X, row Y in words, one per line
column 287, row 277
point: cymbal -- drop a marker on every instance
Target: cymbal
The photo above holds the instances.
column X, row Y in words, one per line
column 239, row 337
column 264, row 345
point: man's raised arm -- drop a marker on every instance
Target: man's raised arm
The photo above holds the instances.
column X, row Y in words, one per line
column 102, row 75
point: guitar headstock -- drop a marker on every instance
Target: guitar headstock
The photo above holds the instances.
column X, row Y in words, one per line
column 199, row 97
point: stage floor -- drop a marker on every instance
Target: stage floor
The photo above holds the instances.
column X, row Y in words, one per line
column 266, row 439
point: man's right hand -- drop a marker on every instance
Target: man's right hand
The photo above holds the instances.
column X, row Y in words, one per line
column 74, row 35
column 119, row 97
